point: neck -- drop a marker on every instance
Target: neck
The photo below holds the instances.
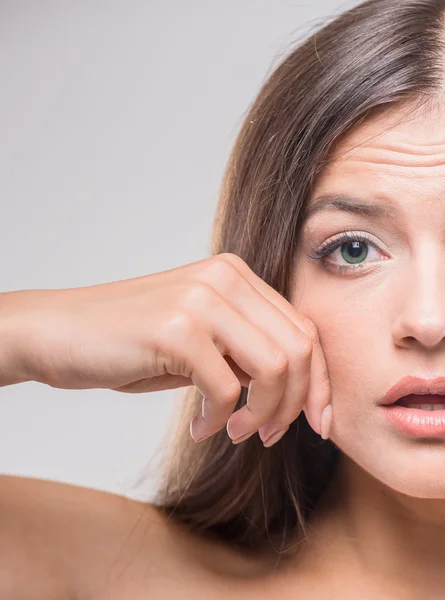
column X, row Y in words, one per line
column 363, row 530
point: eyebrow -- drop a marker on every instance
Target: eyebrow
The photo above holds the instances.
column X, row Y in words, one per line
column 373, row 210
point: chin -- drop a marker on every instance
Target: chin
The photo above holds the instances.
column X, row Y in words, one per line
column 411, row 466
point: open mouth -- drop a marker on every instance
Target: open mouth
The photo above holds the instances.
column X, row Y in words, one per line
column 422, row 401
column 420, row 415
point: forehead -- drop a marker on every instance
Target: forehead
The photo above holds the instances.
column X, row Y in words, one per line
column 398, row 146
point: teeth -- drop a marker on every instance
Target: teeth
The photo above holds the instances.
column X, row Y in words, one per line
column 427, row 406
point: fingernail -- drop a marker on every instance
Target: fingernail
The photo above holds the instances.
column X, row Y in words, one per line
column 236, row 432
column 198, row 429
column 275, row 437
column 265, row 431
column 326, row 422
column 243, row 437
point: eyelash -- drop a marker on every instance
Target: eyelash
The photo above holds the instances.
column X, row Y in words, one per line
column 346, row 238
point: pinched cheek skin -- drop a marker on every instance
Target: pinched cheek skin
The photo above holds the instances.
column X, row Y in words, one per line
column 352, row 340
column 355, row 374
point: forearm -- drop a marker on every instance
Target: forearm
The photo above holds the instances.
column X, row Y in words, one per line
column 13, row 360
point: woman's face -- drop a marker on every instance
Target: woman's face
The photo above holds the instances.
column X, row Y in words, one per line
column 380, row 308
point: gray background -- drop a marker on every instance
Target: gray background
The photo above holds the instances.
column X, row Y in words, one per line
column 117, row 119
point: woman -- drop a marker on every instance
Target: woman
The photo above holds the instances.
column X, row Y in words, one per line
column 323, row 291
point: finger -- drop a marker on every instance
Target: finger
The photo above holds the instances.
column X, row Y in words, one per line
column 154, row 384
column 320, row 392
column 266, row 308
column 171, row 382
column 298, row 347
column 295, row 394
column 243, row 377
column 194, row 347
column 256, row 355
column 204, row 367
column 315, row 400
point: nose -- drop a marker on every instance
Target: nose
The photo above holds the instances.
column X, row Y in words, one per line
column 421, row 300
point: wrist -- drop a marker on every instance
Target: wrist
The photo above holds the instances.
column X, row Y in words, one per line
column 13, row 358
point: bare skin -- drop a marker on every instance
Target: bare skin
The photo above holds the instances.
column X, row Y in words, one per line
column 64, row 541
column 68, row 541
column 214, row 324
column 385, row 518
column 380, row 528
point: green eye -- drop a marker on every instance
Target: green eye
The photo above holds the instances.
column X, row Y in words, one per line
column 354, row 252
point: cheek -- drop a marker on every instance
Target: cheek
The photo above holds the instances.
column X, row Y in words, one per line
column 354, row 325
column 349, row 336
column 350, row 358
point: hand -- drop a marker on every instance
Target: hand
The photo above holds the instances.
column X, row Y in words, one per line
column 213, row 323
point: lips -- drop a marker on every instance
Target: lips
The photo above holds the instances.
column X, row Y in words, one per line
column 421, row 399
column 418, row 386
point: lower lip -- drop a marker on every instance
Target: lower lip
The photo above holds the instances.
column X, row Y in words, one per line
column 416, row 422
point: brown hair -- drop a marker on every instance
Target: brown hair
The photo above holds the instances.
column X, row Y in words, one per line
column 371, row 58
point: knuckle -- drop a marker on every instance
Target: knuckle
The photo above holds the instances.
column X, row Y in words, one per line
column 280, row 366
column 199, row 295
column 223, row 271
column 309, row 328
column 233, row 259
column 177, row 326
column 304, row 346
column 230, row 394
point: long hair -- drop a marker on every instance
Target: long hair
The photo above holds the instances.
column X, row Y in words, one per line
column 372, row 58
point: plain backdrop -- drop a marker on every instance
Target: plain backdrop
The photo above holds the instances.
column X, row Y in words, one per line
column 117, row 118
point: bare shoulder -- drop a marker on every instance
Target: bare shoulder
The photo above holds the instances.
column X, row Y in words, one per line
column 62, row 541
column 58, row 538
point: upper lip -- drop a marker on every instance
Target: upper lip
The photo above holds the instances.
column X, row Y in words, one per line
column 414, row 385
